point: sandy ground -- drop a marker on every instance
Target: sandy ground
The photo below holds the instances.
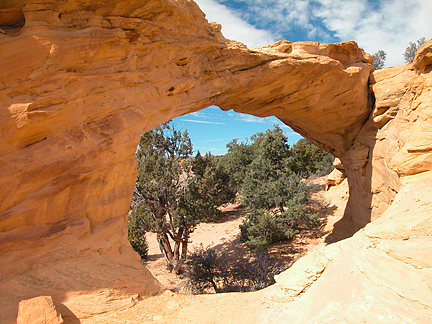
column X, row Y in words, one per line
column 224, row 235
column 182, row 308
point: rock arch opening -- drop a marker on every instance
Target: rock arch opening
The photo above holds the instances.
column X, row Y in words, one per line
column 75, row 185
column 208, row 185
column 87, row 91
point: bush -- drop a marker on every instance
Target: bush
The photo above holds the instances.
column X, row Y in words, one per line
column 204, row 269
column 260, row 229
column 264, row 227
column 325, row 166
column 237, row 160
column 136, row 235
column 209, row 271
column 308, row 159
column 411, row 50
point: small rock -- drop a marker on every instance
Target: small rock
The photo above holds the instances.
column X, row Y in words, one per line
column 38, row 310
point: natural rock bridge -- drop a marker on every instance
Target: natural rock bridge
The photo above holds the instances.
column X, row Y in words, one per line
column 81, row 80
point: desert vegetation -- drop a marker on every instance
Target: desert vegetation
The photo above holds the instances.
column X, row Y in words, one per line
column 175, row 191
column 411, row 49
column 379, row 59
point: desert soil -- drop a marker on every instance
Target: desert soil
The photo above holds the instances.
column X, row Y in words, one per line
column 178, row 306
column 224, row 235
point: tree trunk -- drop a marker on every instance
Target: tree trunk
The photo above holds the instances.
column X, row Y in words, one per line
column 165, row 247
column 174, row 259
column 183, row 235
column 185, row 244
column 178, row 266
column 215, row 287
column 177, row 244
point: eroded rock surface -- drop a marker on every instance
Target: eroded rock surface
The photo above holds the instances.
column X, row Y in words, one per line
column 81, row 80
column 393, row 143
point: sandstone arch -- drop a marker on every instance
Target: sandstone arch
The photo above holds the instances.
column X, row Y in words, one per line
column 83, row 79
column 77, row 92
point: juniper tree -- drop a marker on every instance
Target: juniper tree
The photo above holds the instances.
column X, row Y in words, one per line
column 163, row 179
column 411, row 50
column 379, row 59
column 273, row 190
column 237, row 160
column 169, row 198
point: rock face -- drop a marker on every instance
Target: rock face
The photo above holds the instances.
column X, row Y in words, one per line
column 81, row 80
column 382, row 274
column 394, row 142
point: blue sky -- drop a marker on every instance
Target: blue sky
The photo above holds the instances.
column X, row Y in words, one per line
column 374, row 24
column 211, row 129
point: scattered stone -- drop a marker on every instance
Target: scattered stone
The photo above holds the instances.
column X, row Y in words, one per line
column 38, row 310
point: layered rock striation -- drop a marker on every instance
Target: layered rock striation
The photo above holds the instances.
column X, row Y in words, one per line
column 81, row 80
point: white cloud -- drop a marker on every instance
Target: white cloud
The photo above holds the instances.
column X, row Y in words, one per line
column 390, row 26
column 198, row 114
column 233, row 27
column 374, row 25
column 250, row 118
column 272, row 120
column 201, row 121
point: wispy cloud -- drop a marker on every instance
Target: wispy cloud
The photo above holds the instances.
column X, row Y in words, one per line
column 373, row 24
column 198, row 114
column 215, row 140
column 233, row 26
column 202, row 121
column 386, row 25
column 283, row 126
column 272, row 120
column 250, row 118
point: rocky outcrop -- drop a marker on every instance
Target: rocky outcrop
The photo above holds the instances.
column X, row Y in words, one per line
column 394, row 142
column 338, row 174
column 81, row 80
column 382, row 274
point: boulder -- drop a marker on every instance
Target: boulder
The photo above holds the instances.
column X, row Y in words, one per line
column 38, row 310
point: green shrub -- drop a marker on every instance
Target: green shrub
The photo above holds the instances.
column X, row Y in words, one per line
column 262, row 227
column 209, row 271
column 136, row 235
column 204, row 269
